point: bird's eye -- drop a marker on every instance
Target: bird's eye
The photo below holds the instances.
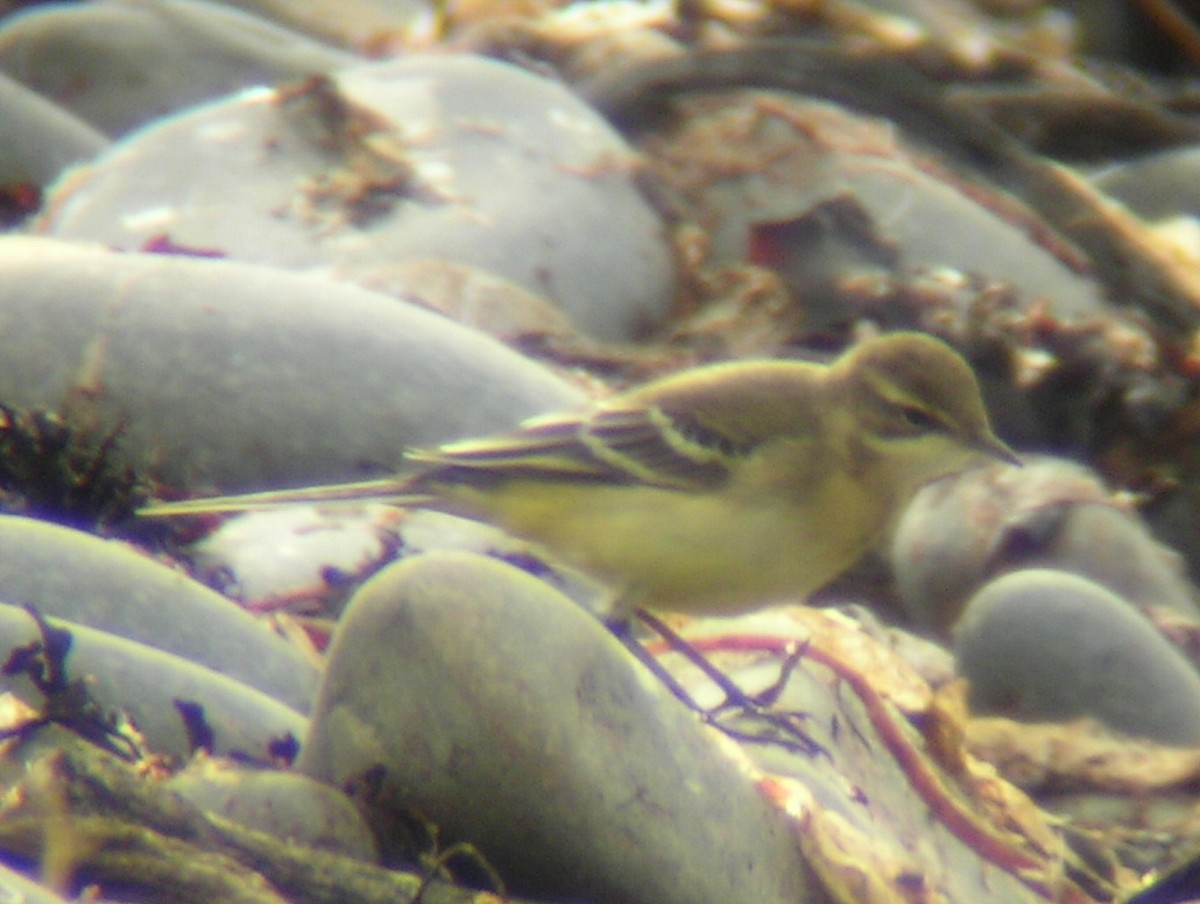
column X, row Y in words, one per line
column 919, row 419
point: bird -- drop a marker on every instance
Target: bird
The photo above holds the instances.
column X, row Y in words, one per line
column 715, row 490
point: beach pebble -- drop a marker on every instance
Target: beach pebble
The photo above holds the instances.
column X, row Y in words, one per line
column 217, row 375
column 310, row 556
column 110, row 586
column 822, row 194
column 290, row 806
column 39, row 139
column 468, row 295
column 118, row 64
column 374, row 26
column 1156, row 186
column 1044, row 645
column 1054, row 513
column 418, row 158
column 502, row 713
column 151, row 687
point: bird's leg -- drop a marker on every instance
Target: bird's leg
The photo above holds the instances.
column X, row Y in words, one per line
column 623, row 630
column 755, row 705
column 768, row 696
column 734, row 695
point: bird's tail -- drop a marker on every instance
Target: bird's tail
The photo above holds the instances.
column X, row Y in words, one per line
column 389, row 490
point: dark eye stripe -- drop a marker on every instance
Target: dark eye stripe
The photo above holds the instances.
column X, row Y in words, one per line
column 905, row 421
column 920, row 419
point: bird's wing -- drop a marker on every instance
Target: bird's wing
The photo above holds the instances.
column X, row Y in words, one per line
column 689, row 432
column 606, row 445
column 685, row 434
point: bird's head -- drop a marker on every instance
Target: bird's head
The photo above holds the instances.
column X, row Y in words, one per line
column 917, row 408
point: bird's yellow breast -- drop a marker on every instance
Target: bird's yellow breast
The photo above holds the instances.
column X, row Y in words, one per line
column 713, row 553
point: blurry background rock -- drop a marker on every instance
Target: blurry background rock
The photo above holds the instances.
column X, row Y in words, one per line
column 375, row 27
column 174, row 704
column 118, row 64
column 826, row 198
column 107, row 585
column 1039, row 644
column 1052, row 513
column 426, row 157
column 222, row 374
column 40, row 139
column 290, row 806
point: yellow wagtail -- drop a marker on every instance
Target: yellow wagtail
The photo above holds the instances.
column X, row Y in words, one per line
column 714, row 490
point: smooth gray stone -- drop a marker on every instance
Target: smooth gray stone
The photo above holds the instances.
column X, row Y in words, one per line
column 146, row 683
column 118, row 64
column 830, row 185
column 959, row 532
column 299, row 553
column 502, row 713
column 380, row 25
column 39, row 139
column 225, row 376
column 287, row 805
column 107, row 585
column 450, row 157
column 1046, row 645
column 1156, row 186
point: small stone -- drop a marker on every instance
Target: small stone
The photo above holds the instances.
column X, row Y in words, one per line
column 1044, row 645
column 290, row 806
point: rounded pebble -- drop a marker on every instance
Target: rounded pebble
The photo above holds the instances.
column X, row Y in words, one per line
column 842, row 197
column 118, row 64
column 1052, row 513
column 150, row 685
column 287, row 805
column 39, row 140
column 216, row 375
column 1046, row 645
column 509, row 718
column 110, row 586
column 1156, row 186
column 424, row 157
column 297, row 552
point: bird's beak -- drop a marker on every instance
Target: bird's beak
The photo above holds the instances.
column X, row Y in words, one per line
column 991, row 444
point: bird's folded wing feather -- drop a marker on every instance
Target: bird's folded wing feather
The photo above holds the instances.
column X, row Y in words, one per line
column 689, row 436
column 610, row 444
